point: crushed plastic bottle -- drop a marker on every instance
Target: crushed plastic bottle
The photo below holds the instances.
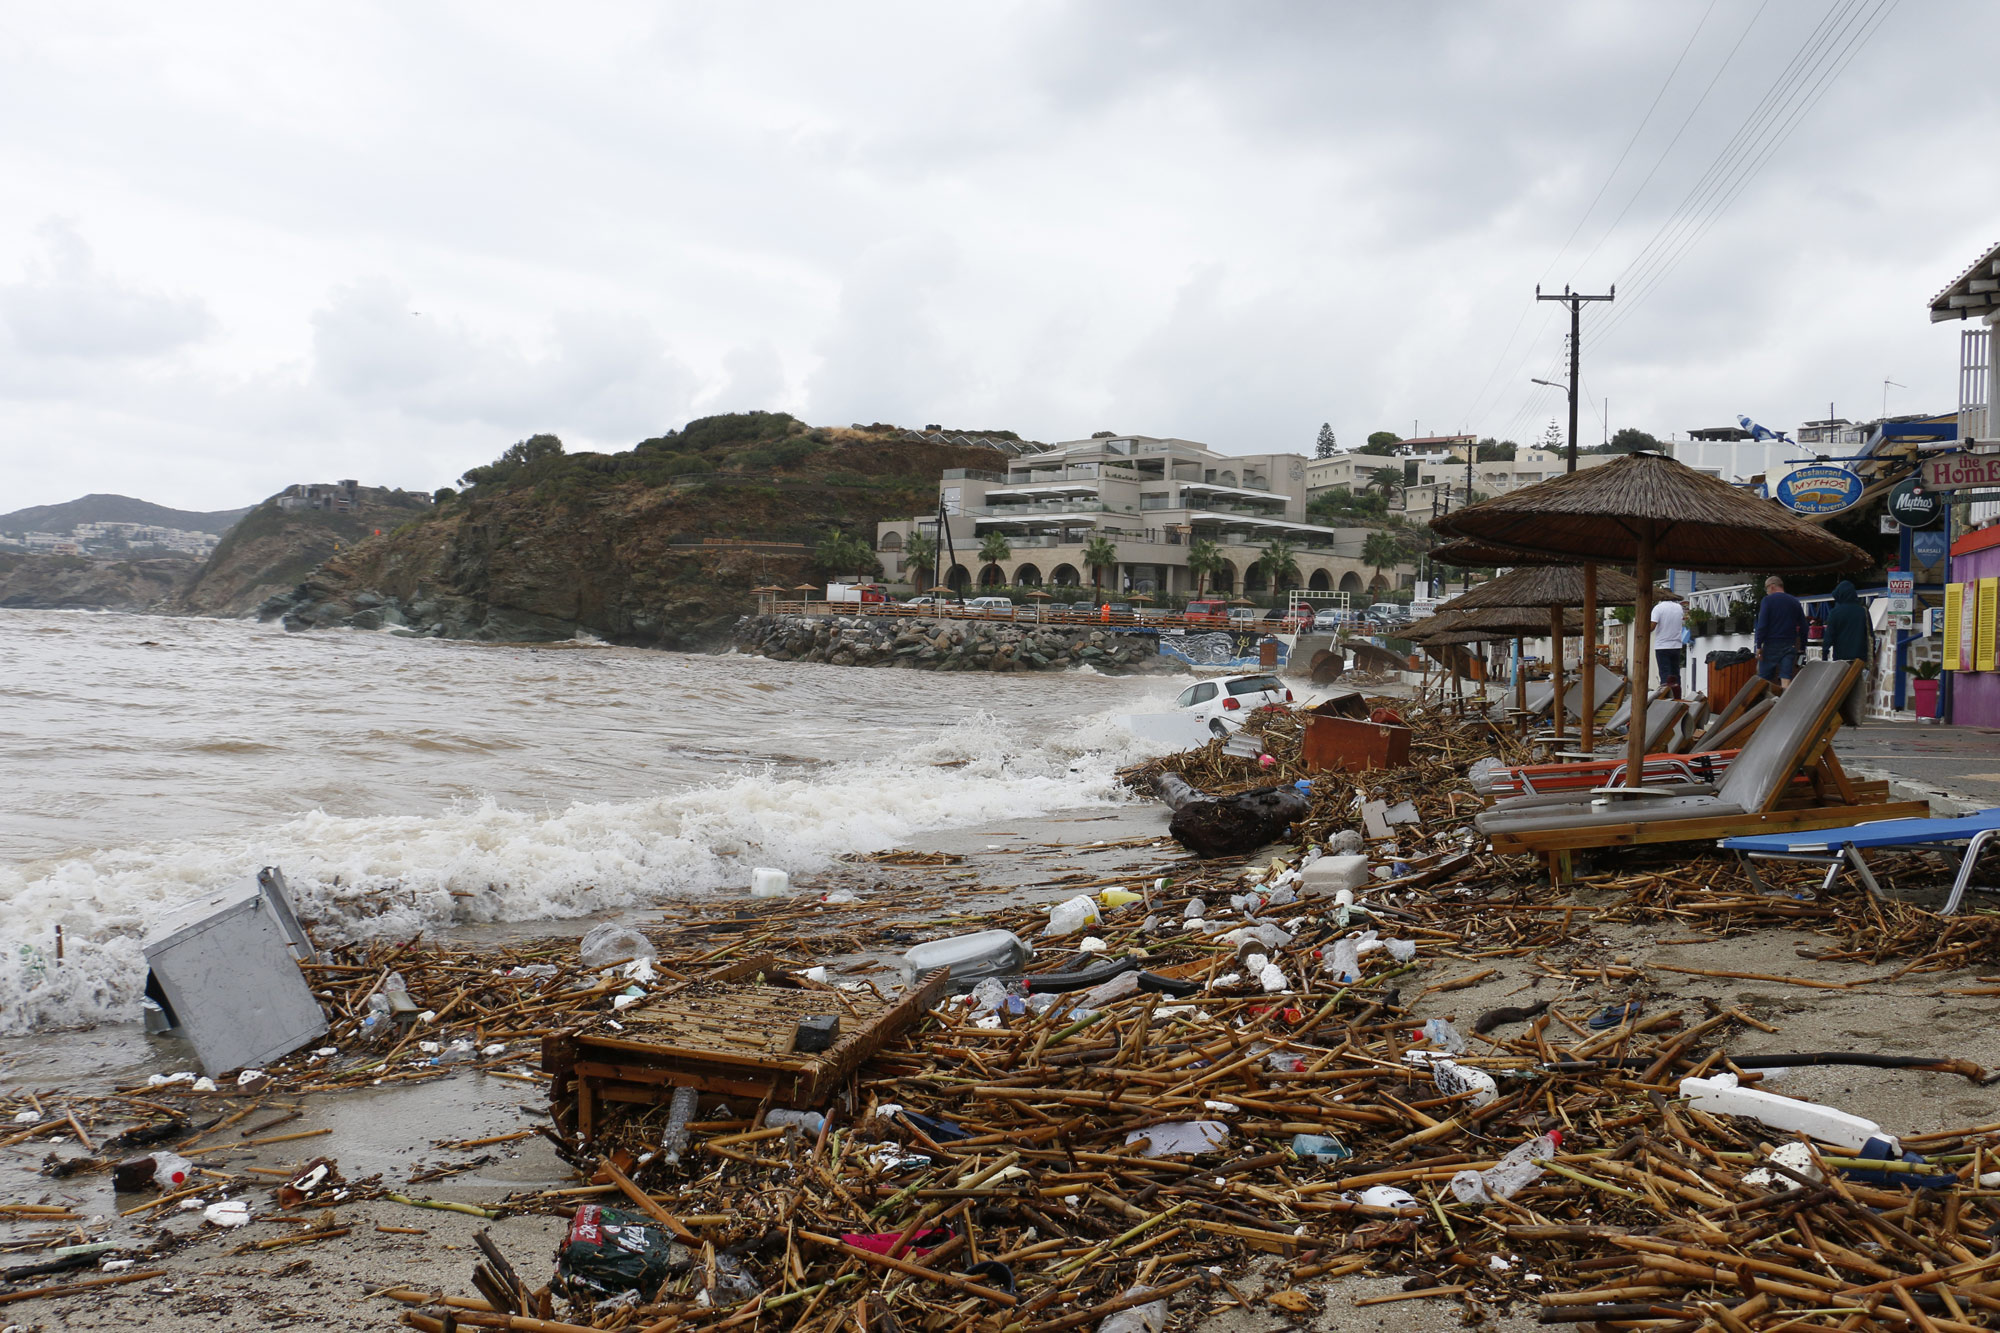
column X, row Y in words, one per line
column 1440, row 1033
column 1453, row 1078
column 1520, row 1168
column 994, row 996
column 675, row 1141
column 1148, row 1318
column 984, row 953
column 1195, row 909
column 1320, row 1147
column 1071, row 915
column 606, row 944
column 799, row 1122
column 1401, row 950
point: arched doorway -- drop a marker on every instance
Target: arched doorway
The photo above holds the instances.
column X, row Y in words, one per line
column 958, row 579
column 1378, row 584
column 991, row 577
column 891, row 541
column 1320, row 581
column 1027, row 576
column 1253, row 579
column 1064, row 576
column 1350, row 582
column 1224, row 579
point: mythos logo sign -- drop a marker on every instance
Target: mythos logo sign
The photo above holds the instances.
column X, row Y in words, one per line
column 1819, row 489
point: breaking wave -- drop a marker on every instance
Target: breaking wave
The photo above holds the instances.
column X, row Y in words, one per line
column 357, row 876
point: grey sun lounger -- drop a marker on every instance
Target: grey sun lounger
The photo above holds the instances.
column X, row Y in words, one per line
column 1794, row 735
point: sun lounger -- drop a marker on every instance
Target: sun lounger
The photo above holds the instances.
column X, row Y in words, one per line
column 1840, row 848
column 1755, row 795
column 1608, row 685
column 1749, row 696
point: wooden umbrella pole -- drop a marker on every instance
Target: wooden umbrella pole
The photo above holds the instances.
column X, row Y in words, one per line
column 1589, row 653
column 1642, row 662
column 1520, row 686
column 1556, row 653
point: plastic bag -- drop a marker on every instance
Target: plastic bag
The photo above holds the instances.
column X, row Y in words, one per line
column 608, row 1252
column 1180, row 1136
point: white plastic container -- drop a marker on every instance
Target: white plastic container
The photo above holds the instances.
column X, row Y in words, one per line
column 768, row 883
column 1825, row 1123
column 987, row 953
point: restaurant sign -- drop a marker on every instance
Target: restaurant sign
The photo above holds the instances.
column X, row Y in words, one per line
column 1958, row 472
column 1819, row 489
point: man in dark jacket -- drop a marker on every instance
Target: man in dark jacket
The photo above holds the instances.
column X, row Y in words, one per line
column 1850, row 638
column 1780, row 634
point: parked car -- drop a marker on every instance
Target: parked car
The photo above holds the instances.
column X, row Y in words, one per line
column 1227, row 701
column 1390, row 613
column 992, row 606
column 1240, row 616
column 1209, row 612
column 922, row 601
column 1119, row 608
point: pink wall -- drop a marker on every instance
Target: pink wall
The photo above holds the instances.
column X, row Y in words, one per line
column 1975, row 695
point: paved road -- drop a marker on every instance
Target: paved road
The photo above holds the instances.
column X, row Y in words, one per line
column 1962, row 762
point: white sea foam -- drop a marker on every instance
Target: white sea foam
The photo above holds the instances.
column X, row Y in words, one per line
column 360, row 876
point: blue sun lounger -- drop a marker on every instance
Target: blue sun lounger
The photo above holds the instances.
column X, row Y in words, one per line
column 1841, row 848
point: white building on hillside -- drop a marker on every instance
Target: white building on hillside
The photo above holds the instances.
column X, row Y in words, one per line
column 1151, row 498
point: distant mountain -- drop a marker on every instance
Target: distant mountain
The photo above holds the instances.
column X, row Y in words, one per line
column 117, row 509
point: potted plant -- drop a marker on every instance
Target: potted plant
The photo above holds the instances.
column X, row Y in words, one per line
column 1924, row 688
column 1698, row 620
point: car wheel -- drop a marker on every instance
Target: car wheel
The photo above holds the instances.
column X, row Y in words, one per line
column 1215, row 727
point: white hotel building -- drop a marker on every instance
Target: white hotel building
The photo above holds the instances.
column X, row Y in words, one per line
column 1151, row 498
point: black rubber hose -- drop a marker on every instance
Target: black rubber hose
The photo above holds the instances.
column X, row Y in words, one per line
column 1061, row 983
column 1775, row 1061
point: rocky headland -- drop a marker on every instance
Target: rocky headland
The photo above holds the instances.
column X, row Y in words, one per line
column 93, row 583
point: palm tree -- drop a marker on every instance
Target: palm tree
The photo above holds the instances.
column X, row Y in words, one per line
column 1279, row 562
column 1204, row 561
column 995, row 548
column 1100, row 554
column 1381, row 550
column 838, row 553
column 920, row 552
column 1387, row 480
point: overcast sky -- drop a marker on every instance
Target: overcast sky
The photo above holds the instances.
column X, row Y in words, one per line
column 242, row 246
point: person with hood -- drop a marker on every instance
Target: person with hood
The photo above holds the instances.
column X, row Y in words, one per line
column 1850, row 637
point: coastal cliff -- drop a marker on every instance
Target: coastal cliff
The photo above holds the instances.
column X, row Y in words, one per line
column 660, row 545
column 271, row 548
column 74, row 582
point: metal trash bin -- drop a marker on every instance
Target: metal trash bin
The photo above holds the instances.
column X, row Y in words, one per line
column 224, row 971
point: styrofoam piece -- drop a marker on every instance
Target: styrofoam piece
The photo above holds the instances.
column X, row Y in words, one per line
column 768, row 883
column 1794, row 1156
column 224, row 970
column 1181, row 1136
column 1825, row 1123
column 1330, row 874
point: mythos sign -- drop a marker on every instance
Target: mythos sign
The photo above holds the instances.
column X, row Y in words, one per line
column 1819, row 489
column 1913, row 506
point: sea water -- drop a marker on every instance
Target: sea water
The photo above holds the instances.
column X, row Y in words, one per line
column 407, row 784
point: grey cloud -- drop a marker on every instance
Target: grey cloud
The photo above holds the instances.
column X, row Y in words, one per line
column 67, row 307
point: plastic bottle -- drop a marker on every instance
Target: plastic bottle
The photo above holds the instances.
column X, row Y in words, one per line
column 1195, row 909
column 1071, row 915
column 986, row 953
column 1320, row 1147
column 1440, row 1033
column 675, row 1141
column 378, row 1005
column 1346, row 961
column 1117, row 897
column 1148, row 1318
column 1520, row 1168
column 171, row 1170
column 394, row 983
column 799, row 1122
column 1453, row 1078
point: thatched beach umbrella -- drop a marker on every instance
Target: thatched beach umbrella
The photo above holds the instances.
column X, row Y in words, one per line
column 1640, row 510
column 1560, row 587
column 1517, row 623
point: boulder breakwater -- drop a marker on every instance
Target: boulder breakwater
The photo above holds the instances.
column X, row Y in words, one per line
column 940, row 644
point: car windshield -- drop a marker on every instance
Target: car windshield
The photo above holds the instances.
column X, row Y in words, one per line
column 1254, row 684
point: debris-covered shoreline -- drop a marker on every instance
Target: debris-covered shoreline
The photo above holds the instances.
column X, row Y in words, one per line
column 1005, row 1160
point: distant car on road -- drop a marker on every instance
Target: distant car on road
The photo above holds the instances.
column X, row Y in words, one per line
column 1227, row 701
column 922, row 601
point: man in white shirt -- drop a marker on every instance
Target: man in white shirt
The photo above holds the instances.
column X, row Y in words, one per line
column 1667, row 645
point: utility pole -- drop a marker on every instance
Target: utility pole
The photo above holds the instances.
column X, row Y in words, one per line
column 1574, row 300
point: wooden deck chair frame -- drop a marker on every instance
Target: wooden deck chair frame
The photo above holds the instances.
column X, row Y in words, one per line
column 1837, row 801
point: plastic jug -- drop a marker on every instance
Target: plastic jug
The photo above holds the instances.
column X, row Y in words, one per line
column 987, row 953
column 768, row 883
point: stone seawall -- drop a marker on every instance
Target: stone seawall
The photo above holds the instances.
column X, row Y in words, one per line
column 947, row 645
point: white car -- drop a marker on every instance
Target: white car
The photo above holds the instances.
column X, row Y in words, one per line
column 1227, row 701
column 992, row 606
